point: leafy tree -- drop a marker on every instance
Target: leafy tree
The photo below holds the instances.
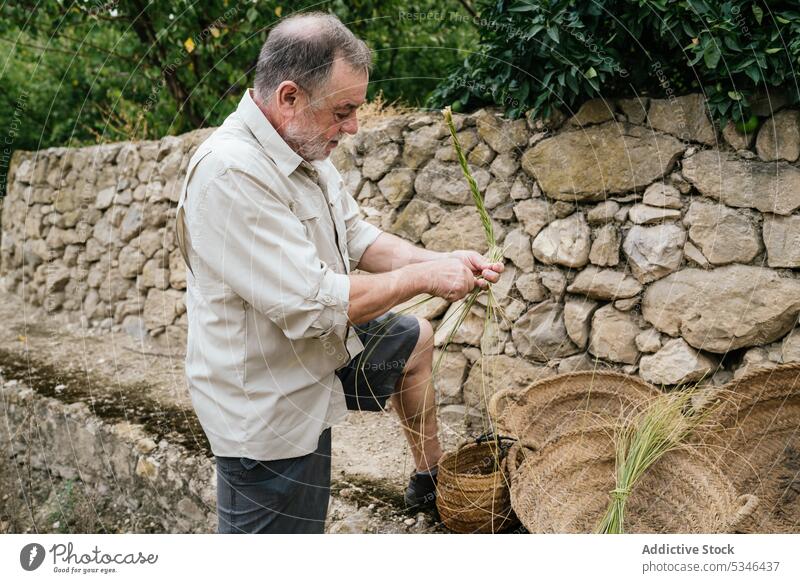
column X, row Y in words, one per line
column 74, row 72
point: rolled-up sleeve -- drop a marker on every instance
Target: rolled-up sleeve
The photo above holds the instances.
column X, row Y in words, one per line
column 259, row 249
column 360, row 233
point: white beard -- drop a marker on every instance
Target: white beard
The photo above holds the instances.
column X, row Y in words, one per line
column 305, row 139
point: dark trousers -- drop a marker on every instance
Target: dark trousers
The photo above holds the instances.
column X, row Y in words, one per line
column 282, row 496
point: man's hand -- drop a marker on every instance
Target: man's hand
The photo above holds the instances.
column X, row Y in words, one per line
column 479, row 266
column 445, row 278
column 457, row 274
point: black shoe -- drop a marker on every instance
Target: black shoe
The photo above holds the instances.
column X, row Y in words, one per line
column 421, row 492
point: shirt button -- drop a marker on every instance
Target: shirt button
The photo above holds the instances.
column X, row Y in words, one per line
column 327, row 299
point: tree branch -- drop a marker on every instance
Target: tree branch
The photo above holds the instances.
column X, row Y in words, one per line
column 468, row 7
column 144, row 28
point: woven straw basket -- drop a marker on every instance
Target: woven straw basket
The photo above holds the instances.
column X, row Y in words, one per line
column 567, row 402
column 755, row 439
column 564, row 486
column 472, row 488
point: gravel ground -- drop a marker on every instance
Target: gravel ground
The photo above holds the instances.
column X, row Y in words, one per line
column 371, row 460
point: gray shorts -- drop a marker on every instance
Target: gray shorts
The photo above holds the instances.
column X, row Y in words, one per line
column 291, row 495
column 370, row 378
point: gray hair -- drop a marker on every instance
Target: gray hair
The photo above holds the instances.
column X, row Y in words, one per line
column 302, row 49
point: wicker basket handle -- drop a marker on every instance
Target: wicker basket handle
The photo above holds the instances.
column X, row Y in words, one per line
column 515, row 456
column 499, row 401
column 484, row 437
column 491, row 436
column 747, row 504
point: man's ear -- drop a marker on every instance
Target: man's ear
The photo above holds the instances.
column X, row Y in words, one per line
column 287, row 97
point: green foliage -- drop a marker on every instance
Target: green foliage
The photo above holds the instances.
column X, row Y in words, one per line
column 541, row 54
column 86, row 71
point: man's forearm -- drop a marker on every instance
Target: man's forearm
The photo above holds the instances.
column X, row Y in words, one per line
column 389, row 252
column 374, row 294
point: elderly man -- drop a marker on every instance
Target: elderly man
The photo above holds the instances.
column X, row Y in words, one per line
column 283, row 337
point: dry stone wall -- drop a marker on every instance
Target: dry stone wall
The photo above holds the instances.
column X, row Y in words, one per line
column 90, row 232
column 638, row 235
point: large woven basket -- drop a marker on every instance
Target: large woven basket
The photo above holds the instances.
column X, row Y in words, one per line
column 563, row 486
column 755, row 439
column 472, row 488
column 567, row 402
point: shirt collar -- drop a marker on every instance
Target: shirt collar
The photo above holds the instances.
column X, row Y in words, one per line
column 284, row 157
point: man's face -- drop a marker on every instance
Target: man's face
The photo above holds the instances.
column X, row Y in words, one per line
column 321, row 122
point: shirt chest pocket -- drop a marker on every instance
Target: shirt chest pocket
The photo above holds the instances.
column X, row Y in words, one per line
column 310, row 215
column 325, row 228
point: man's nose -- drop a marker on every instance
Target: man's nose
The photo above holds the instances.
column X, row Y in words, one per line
column 351, row 126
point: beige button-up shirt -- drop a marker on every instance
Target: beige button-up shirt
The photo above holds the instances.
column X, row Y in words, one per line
column 268, row 239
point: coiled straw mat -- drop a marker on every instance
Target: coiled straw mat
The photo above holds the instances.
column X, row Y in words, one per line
column 564, row 487
column 472, row 487
column 755, row 439
column 567, row 402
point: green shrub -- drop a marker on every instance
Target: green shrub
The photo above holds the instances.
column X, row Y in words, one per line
column 540, row 54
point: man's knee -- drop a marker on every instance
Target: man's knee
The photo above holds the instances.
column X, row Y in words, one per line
column 425, row 340
column 422, row 355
